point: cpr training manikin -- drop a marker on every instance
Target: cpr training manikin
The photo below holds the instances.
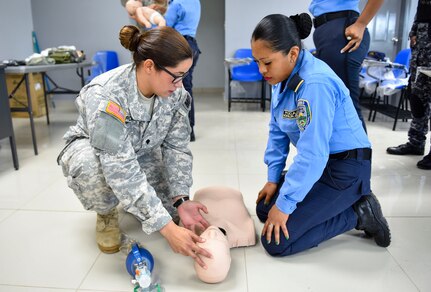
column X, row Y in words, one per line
column 230, row 226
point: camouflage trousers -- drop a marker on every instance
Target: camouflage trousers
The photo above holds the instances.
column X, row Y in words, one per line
column 85, row 177
column 420, row 95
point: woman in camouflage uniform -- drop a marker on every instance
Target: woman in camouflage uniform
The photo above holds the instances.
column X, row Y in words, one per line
column 130, row 144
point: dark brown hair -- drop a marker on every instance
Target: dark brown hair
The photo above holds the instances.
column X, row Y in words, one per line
column 164, row 45
column 282, row 32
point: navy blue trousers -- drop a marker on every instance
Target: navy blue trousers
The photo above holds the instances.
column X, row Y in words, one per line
column 329, row 39
column 188, row 81
column 326, row 210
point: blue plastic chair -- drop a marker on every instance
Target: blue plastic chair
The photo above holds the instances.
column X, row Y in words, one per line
column 105, row 61
column 248, row 72
column 394, row 80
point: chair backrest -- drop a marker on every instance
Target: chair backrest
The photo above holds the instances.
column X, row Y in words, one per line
column 105, row 61
column 246, row 73
column 403, row 57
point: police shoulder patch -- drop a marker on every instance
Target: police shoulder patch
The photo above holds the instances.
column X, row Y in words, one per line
column 116, row 111
column 303, row 114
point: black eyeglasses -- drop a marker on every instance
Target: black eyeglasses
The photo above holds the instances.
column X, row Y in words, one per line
column 177, row 78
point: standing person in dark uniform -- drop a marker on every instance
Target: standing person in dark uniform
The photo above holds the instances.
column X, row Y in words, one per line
column 184, row 16
column 326, row 191
column 420, row 95
column 342, row 39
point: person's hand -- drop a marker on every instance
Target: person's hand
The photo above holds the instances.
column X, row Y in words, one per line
column 354, row 34
column 184, row 241
column 276, row 220
column 412, row 41
column 191, row 217
column 267, row 192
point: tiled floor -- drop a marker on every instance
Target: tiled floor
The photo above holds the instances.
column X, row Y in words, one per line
column 47, row 240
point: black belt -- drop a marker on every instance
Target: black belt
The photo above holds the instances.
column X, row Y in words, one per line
column 187, row 37
column 359, row 153
column 324, row 18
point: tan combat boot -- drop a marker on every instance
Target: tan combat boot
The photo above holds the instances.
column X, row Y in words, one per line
column 108, row 232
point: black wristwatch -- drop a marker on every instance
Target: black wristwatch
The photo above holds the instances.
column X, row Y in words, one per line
column 180, row 201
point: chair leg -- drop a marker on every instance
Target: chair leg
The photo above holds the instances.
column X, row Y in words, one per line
column 400, row 105
column 229, row 97
column 14, row 153
column 372, row 102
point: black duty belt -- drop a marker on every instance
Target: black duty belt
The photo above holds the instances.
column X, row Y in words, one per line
column 188, row 37
column 359, row 154
column 324, row 18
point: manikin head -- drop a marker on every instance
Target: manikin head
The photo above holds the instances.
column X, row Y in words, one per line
column 217, row 266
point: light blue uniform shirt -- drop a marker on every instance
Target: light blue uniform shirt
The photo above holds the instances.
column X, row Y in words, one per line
column 318, row 119
column 319, row 7
column 184, row 16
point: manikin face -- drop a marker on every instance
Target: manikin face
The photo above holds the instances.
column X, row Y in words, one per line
column 217, row 266
column 274, row 66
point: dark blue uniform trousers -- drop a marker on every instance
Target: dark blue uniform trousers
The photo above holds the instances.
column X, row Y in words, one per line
column 326, row 210
column 329, row 39
column 188, row 80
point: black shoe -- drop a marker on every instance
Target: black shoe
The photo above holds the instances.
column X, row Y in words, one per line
column 192, row 136
column 371, row 220
column 425, row 163
column 404, row 149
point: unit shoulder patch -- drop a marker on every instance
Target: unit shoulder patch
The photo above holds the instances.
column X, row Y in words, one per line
column 303, row 114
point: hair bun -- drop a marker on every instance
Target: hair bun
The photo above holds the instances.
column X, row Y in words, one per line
column 129, row 37
column 303, row 23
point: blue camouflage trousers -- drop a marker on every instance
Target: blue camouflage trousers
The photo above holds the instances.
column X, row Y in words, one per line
column 84, row 173
column 420, row 95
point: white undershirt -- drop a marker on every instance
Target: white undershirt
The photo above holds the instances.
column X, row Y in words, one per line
column 148, row 103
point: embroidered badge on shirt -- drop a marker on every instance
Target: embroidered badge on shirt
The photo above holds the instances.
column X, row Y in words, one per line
column 291, row 115
column 303, row 114
column 115, row 110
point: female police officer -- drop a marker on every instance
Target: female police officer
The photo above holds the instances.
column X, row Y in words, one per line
column 130, row 143
column 326, row 191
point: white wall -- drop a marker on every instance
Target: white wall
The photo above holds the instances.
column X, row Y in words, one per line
column 209, row 72
column 242, row 16
column 16, row 25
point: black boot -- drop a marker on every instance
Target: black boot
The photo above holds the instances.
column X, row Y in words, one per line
column 371, row 220
column 425, row 163
column 404, row 149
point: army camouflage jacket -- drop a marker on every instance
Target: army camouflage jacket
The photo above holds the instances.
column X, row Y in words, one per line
column 112, row 115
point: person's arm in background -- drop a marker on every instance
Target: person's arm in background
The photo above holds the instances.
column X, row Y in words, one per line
column 160, row 6
column 413, row 33
column 355, row 32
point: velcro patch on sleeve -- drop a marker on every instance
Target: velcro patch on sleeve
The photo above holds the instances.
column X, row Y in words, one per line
column 116, row 111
